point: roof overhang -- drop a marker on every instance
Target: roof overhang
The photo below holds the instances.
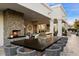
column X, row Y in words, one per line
column 58, row 11
column 28, row 13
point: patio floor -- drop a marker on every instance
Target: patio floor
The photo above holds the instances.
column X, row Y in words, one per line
column 71, row 49
column 2, row 53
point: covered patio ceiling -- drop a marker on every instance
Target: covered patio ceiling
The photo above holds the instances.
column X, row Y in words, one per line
column 28, row 13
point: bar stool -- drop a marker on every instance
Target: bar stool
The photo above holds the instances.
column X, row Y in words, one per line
column 10, row 50
column 53, row 51
column 25, row 52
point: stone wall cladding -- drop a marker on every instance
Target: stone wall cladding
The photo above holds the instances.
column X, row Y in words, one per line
column 13, row 20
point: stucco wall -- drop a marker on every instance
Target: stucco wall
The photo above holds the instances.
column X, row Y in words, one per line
column 1, row 29
column 12, row 21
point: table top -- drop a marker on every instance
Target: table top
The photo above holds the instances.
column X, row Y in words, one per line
column 33, row 44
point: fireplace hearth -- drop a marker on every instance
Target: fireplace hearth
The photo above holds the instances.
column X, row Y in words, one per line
column 14, row 33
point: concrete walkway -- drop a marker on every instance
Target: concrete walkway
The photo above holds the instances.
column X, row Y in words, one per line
column 72, row 47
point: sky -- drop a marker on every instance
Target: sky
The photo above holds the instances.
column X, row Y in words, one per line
column 71, row 9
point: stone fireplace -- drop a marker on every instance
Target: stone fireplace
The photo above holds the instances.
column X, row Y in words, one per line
column 13, row 24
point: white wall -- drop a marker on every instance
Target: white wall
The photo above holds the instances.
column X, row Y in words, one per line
column 1, row 30
column 38, row 7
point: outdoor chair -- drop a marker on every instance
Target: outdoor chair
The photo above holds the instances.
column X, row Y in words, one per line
column 64, row 38
column 60, row 45
column 53, row 51
column 10, row 50
column 63, row 43
column 25, row 52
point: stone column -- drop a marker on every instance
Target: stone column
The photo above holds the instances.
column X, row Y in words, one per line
column 52, row 25
column 60, row 27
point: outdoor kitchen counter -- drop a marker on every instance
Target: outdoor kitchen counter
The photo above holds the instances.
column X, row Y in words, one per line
column 33, row 44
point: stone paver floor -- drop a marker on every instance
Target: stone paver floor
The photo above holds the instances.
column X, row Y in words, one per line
column 2, row 53
column 72, row 47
